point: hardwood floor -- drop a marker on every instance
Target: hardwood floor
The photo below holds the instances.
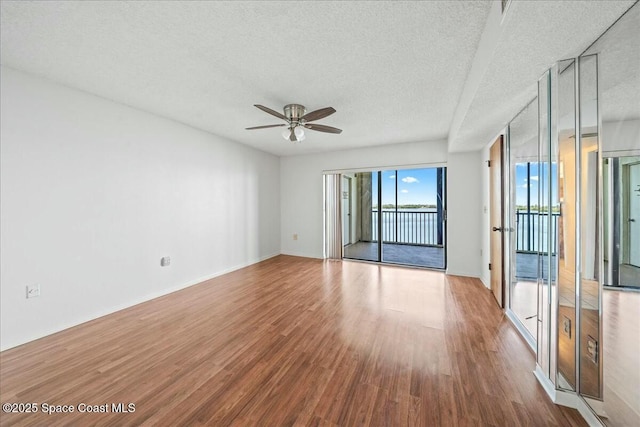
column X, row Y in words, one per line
column 292, row 341
column 621, row 358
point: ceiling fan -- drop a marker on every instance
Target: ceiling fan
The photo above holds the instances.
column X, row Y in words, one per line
column 297, row 120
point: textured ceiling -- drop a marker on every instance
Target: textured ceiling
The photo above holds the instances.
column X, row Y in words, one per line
column 619, row 68
column 535, row 35
column 394, row 71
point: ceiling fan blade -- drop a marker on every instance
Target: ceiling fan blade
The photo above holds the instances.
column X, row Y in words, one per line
column 270, row 111
column 318, row 114
column 267, row 126
column 322, row 128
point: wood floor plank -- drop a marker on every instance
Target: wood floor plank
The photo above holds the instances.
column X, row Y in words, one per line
column 292, row 341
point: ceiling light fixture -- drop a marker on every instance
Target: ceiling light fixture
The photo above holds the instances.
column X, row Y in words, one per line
column 297, row 120
column 298, row 134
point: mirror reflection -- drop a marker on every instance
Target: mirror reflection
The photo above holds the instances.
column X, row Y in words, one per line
column 618, row 80
column 523, row 142
column 590, row 339
column 565, row 216
column 546, row 340
column 621, row 179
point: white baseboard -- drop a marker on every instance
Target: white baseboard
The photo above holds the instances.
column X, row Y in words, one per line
column 588, row 414
column 521, row 329
column 545, row 382
column 567, row 398
column 450, row 272
column 131, row 303
column 301, row 254
column 486, row 282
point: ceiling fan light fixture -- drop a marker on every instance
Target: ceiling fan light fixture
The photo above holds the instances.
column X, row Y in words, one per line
column 297, row 119
column 298, row 133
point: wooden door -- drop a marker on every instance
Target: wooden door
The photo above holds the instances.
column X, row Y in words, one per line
column 496, row 221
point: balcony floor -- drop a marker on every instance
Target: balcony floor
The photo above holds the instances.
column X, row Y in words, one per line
column 527, row 266
column 427, row 256
column 422, row 256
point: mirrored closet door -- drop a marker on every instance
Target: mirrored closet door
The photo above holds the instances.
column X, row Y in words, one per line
column 610, row 73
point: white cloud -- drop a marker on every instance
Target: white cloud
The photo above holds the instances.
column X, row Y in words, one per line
column 392, row 177
column 404, row 191
column 409, row 180
column 534, row 178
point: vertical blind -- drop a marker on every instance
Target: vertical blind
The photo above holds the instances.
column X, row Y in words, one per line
column 332, row 217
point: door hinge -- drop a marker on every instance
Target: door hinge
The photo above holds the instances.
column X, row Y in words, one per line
column 489, row 266
column 488, row 163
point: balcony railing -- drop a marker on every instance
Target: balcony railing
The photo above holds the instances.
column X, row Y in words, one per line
column 408, row 227
column 423, row 228
column 531, row 231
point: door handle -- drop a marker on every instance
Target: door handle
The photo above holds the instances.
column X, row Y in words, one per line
column 632, row 220
column 497, row 229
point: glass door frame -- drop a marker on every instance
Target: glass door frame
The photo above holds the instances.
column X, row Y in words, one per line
column 441, row 203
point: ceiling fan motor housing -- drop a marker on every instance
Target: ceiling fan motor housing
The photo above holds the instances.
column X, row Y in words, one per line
column 297, row 118
column 293, row 112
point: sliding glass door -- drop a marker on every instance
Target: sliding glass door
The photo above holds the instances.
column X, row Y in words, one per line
column 397, row 216
column 361, row 200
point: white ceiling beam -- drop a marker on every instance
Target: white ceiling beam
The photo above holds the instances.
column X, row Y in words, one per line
column 479, row 66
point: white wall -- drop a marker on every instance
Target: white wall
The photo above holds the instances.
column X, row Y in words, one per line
column 464, row 213
column 621, row 138
column 301, row 186
column 485, row 234
column 301, row 190
column 93, row 193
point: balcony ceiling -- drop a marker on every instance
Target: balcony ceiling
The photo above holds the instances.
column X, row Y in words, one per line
column 394, row 71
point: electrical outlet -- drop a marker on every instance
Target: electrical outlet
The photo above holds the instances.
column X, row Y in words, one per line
column 165, row 261
column 566, row 326
column 295, row 236
column 33, row 291
column 592, row 349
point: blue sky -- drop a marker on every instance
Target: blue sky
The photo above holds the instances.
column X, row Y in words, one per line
column 415, row 186
column 522, row 185
column 418, row 186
